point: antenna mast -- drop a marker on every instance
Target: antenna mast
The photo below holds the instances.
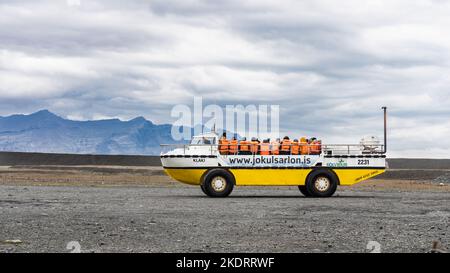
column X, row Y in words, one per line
column 385, row 129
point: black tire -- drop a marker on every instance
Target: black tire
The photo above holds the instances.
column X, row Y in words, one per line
column 218, row 183
column 203, row 189
column 321, row 183
column 304, row 191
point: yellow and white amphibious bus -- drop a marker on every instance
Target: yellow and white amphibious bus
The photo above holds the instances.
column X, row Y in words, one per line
column 316, row 175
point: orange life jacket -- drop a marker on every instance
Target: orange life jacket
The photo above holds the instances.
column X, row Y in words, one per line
column 286, row 145
column 244, row 146
column 275, row 148
column 265, row 148
column 316, row 147
column 254, row 147
column 304, row 147
column 223, row 145
column 295, row 148
column 233, row 147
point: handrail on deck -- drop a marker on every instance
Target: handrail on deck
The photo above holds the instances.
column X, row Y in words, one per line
column 324, row 148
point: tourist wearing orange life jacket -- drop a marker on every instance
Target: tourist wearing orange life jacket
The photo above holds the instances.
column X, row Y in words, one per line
column 265, row 147
column 224, row 144
column 244, row 147
column 285, row 146
column 295, row 148
column 319, row 146
column 254, row 146
column 233, row 149
column 275, row 147
column 304, row 146
column 316, row 146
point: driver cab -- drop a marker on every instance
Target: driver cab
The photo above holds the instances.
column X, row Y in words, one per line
column 204, row 144
column 204, row 140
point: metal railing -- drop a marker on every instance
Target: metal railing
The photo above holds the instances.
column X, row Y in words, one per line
column 349, row 149
column 304, row 149
column 185, row 149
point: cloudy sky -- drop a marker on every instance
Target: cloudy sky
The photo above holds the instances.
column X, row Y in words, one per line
column 330, row 65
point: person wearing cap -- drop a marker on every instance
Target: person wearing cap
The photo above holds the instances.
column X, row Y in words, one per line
column 285, row 146
column 316, row 146
column 295, row 148
column 224, row 144
column 254, row 145
column 265, row 147
column 244, row 147
column 304, row 146
column 233, row 149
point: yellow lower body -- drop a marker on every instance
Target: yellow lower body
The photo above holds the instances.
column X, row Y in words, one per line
column 274, row 177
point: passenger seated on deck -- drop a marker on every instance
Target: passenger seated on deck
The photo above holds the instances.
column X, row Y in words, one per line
column 244, row 147
column 275, row 147
column 265, row 147
column 223, row 144
column 254, row 146
column 233, row 149
column 285, row 146
column 304, row 147
column 316, row 146
column 295, row 148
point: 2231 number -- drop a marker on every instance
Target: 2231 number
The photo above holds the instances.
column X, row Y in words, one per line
column 363, row 162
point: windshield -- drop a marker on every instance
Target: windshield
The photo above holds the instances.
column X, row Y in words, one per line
column 203, row 141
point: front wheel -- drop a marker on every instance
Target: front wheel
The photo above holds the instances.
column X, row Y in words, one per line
column 218, row 183
column 203, row 189
column 322, row 183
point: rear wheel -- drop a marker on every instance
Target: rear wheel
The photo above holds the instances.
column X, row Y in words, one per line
column 304, row 191
column 321, row 183
column 218, row 183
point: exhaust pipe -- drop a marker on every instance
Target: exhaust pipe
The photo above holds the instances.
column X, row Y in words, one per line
column 385, row 129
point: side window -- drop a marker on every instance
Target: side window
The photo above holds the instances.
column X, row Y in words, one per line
column 209, row 141
column 203, row 141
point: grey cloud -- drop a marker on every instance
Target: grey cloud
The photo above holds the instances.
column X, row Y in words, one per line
column 330, row 66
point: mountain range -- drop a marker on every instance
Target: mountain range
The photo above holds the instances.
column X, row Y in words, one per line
column 46, row 132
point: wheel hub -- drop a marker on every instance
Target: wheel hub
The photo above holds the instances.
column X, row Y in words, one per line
column 218, row 183
column 322, row 184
